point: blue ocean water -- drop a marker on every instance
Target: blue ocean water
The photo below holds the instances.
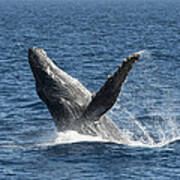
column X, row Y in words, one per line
column 89, row 39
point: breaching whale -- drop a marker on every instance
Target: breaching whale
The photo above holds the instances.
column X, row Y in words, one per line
column 71, row 105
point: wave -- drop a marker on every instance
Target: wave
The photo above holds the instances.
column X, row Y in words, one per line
column 71, row 137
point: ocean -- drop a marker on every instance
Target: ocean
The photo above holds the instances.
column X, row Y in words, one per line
column 88, row 39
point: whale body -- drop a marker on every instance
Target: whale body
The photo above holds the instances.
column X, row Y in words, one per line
column 71, row 105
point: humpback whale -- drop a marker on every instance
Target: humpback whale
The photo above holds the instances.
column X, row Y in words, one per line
column 71, row 105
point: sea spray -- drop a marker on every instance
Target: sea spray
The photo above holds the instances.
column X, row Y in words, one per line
column 73, row 137
column 145, row 54
column 146, row 120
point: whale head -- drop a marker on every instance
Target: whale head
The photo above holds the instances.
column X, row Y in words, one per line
column 40, row 66
column 48, row 83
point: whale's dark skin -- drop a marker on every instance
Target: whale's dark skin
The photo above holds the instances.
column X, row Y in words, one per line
column 71, row 105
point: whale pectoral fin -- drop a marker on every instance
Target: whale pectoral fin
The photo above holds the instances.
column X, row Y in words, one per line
column 106, row 97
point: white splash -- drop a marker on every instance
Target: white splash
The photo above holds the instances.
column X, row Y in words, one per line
column 145, row 54
column 73, row 137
